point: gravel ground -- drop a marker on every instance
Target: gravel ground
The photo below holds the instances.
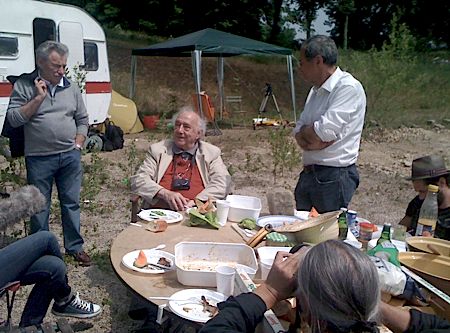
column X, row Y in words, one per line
column 382, row 196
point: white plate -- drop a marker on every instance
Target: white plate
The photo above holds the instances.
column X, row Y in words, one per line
column 188, row 305
column 276, row 220
column 302, row 214
column 152, row 257
column 169, row 215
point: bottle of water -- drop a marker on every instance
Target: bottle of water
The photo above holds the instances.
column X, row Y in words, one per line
column 428, row 214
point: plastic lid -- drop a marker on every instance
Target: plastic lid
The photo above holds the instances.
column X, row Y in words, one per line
column 433, row 188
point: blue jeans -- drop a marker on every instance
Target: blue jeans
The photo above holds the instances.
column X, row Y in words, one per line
column 65, row 169
column 36, row 260
column 326, row 188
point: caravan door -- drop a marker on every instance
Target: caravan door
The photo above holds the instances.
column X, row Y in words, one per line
column 71, row 34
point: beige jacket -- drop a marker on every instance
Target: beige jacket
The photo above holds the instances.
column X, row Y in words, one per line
column 214, row 173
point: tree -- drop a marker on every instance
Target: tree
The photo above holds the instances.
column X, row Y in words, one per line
column 305, row 12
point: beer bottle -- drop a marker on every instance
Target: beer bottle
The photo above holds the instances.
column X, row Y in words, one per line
column 342, row 223
column 385, row 234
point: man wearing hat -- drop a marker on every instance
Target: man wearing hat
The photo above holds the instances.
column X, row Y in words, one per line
column 429, row 170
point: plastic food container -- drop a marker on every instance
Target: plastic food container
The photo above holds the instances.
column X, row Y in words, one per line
column 242, row 206
column 266, row 256
column 196, row 261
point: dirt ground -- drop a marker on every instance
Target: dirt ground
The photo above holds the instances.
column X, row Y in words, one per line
column 383, row 194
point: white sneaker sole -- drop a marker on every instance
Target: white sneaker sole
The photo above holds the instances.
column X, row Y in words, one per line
column 77, row 315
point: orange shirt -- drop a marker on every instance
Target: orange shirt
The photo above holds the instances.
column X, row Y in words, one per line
column 195, row 188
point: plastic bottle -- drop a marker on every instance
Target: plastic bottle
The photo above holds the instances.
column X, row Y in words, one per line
column 428, row 213
column 342, row 223
column 385, row 234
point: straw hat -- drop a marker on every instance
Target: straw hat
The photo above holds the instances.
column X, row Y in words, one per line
column 428, row 167
column 314, row 230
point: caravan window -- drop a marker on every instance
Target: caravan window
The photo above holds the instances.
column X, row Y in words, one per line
column 43, row 30
column 9, row 46
column 90, row 56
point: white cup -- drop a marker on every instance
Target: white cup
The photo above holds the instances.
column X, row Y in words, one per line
column 266, row 266
column 223, row 207
column 225, row 279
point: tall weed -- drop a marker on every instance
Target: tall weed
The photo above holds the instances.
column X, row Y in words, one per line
column 284, row 151
column 403, row 87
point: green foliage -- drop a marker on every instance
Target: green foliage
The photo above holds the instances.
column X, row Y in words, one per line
column 78, row 76
column 402, row 86
column 284, row 151
column 13, row 174
column 95, row 175
column 134, row 162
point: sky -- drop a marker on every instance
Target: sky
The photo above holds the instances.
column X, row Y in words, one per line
column 318, row 25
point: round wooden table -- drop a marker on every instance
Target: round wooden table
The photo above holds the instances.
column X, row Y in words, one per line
column 166, row 284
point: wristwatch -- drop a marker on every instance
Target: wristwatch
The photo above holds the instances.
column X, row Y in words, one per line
column 78, row 146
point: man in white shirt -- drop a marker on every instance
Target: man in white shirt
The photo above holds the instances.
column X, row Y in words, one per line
column 329, row 129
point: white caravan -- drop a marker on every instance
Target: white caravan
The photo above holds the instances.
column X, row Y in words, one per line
column 25, row 24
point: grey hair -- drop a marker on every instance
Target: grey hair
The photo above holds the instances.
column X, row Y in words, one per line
column 323, row 46
column 187, row 109
column 43, row 51
column 339, row 286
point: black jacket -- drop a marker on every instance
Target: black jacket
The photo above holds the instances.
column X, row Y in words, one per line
column 241, row 314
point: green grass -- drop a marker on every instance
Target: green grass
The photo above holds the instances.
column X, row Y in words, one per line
column 403, row 88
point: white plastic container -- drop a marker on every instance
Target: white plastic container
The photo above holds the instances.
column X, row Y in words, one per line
column 242, row 206
column 196, row 261
column 266, row 256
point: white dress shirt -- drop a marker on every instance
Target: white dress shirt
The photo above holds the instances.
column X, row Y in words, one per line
column 336, row 109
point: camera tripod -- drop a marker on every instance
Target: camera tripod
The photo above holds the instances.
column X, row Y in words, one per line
column 268, row 93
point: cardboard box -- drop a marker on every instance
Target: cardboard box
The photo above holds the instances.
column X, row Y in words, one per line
column 270, row 324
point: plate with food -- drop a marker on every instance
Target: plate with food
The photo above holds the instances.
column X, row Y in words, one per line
column 198, row 305
column 160, row 214
column 276, row 220
column 149, row 261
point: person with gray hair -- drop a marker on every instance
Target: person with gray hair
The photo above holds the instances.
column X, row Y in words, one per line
column 329, row 129
column 337, row 291
column 55, row 123
column 179, row 170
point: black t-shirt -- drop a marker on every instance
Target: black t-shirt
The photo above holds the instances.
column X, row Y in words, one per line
column 442, row 225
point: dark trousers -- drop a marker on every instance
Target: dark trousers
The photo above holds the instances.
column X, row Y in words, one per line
column 326, row 188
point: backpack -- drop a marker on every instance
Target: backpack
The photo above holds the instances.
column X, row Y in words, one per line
column 113, row 138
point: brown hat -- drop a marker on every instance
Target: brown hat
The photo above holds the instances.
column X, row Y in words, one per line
column 428, row 167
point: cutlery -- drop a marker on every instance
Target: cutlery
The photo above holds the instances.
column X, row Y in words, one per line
column 168, row 298
column 158, row 266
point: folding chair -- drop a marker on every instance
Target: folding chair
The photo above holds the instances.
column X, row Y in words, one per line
column 12, row 288
column 207, row 109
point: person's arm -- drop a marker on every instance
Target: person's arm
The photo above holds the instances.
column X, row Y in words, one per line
column 219, row 179
column 81, row 120
column 395, row 318
column 406, row 221
column 240, row 314
column 24, row 102
column 307, row 139
column 244, row 312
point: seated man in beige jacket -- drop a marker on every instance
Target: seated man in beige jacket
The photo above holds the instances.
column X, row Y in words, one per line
column 177, row 171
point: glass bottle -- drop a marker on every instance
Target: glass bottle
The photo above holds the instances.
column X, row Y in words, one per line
column 385, row 234
column 343, row 227
column 428, row 214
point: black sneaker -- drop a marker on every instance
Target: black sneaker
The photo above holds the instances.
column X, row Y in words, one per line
column 77, row 308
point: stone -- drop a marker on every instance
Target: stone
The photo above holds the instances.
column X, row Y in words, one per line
column 281, row 202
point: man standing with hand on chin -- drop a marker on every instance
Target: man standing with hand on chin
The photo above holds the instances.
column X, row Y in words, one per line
column 55, row 121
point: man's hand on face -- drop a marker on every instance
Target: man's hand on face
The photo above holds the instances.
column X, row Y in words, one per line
column 41, row 88
column 175, row 200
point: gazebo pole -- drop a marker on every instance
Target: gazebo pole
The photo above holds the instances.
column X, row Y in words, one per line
column 133, row 77
column 197, row 70
column 291, row 79
column 220, row 83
